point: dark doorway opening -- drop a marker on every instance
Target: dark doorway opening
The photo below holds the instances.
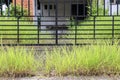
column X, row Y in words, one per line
column 79, row 11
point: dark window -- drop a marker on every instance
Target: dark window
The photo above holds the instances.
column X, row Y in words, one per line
column 50, row 6
column 79, row 10
column 38, row 4
column 45, row 7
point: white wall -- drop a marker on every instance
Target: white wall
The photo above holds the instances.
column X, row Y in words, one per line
column 63, row 10
column 112, row 8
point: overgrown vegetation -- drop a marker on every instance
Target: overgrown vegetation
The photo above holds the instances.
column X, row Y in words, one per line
column 17, row 62
column 61, row 61
column 83, row 60
column 16, row 11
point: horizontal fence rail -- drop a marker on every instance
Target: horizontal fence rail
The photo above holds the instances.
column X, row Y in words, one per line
column 19, row 31
column 59, row 22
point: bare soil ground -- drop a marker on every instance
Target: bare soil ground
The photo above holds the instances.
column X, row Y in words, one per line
column 67, row 78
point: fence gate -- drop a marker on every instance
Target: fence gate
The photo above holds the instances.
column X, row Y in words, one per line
column 59, row 22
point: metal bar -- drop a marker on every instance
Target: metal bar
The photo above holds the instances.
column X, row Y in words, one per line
column 14, row 8
column 18, row 32
column 8, row 8
column 71, row 21
column 29, row 8
column 110, row 9
column 76, row 23
column 91, row 7
column 84, row 4
column 70, row 8
column 36, row 1
column 104, row 8
column 38, row 28
column 112, row 30
column 56, row 21
column 22, row 7
column 97, row 7
column 117, row 9
column 42, row 13
column 1, row 1
column 49, row 7
column 64, row 12
column 94, row 28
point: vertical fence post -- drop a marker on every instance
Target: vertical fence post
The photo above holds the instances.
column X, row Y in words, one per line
column 29, row 8
column 18, row 29
column 117, row 9
column 38, row 29
column 56, row 21
column 104, row 8
column 84, row 4
column 110, row 9
column 35, row 7
column 76, row 23
column 49, row 4
column 15, row 8
column 97, row 7
column 90, row 7
column 112, row 30
column 1, row 7
column 8, row 7
column 94, row 28
column 22, row 7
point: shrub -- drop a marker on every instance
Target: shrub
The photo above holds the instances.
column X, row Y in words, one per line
column 94, row 7
column 16, row 11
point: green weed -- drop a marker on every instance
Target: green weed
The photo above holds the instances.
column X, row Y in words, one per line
column 17, row 62
column 83, row 60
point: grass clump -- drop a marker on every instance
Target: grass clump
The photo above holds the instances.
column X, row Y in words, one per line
column 17, row 62
column 83, row 60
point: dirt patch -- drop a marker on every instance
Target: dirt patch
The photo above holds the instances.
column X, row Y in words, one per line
column 67, row 78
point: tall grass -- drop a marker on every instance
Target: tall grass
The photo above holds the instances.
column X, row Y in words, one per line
column 17, row 62
column 83, row 60
column 61, row 61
